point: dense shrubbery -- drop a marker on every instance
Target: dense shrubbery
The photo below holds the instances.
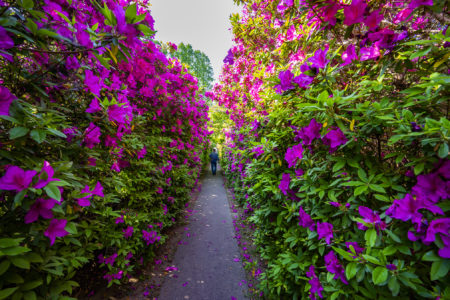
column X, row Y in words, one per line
column 101, row 142
column 340, row 145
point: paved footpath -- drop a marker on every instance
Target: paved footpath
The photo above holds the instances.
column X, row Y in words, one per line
column 208, row 262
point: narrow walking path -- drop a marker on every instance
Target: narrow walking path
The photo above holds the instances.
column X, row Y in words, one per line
column 208, row 263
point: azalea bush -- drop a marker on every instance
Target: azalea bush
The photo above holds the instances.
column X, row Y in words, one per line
column 102, row 140
column 339, row 145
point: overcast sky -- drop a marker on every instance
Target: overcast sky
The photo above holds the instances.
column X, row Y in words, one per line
column 202, row 23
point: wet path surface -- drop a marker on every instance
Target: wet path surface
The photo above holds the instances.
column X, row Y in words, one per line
column 207, row 264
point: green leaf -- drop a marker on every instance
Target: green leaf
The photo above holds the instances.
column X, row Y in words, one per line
column 17, row 132
column 7, row 292
column 420, row 53
column 371, row 237
column 31, row 285
column 443, row 150
column 393, row 236
column 13, row 251
column 7, row 242
column 419, row 168
column 377, row 188
column 71, row 228
column 146, row 30
column 350, row 270
column 56, row 132
column 53, row 191
column 38, row 135
column 339, row 165
column 20, row 262
column 362, row 175
column 48, row 33
column 19, row 197
column 4, row 266
column 394, row 286
column 130, row 13
column 361, row 189
column 389, row 250
column 27, row 4
column 379, row 275
column 344, row 254
column 431, row 256
column 31, row 295
column 439, row 269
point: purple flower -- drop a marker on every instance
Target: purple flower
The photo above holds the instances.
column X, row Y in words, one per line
column 94, row 106
column 333, row 266
column 110, row 260
column 316, row 287
column 41, row 207
column 335, row 204
column 445, row 252
column 303, row 80
column 349, row 55
column 283, row 5
column 299, row 173
column 70, row 132
column 16, row 179
column 83, row 37
column 415, row 127
column 437, row 226
column 56, row 229
column 92, row 136
column 354, row 13
column 325, row 230
column 6, row 41
column 258, row 151
column 150, row 237
column 128, row 232
column 92, row 82
column 293, row 155
column 46, row 176
column 310, row 132
column 391, row 267
column 334, row 138
column 416, row 3
column 319, row 60
column 141, row 153
column 72, row 63
column 373, row 19
column 371, row 217
column 120, row 220
column 285, row 81
column 284, row 183
column 305, row 220
column 119, row 114
column 6, row 98
column 408, row 209
column 96, row 191
column 430, row 187
column 356, row 247
column 369, row 53
column 229, row 59
column 444, row 169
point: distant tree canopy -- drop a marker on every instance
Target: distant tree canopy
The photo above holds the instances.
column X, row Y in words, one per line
column 198, row 63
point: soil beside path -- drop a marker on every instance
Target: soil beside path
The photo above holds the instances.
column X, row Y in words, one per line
column 207, row 265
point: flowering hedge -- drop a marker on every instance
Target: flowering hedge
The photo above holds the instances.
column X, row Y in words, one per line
column 339, row 147
column 101, row 143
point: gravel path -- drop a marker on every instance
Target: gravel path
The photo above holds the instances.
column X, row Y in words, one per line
column 207, row 264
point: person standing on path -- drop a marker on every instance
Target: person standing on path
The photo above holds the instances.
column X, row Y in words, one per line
column 214, row 157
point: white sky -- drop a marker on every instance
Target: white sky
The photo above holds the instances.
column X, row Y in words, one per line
column 204, row 24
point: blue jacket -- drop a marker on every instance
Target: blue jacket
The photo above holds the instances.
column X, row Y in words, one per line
column 214, row 157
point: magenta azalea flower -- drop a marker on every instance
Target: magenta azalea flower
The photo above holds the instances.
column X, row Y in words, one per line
column 430, row 187
column 293, row 155
column 16, row 179
column 41, row 207
column 96, row 191
column 408, row 209
column 319, row 60
column 119, row 114
column 283, row 5
column 92, row 136
column 371, row 217
column 56, row 229
column 445, row 251
column 305, row 220
column 6, row 41
column 46, row 176
column 391, row 267
column 284, row 183
column 310, row 132
column 373, row 19
column 83, row 37
column 325, row 230
column 334, row 138
column 94, row 106
column 286, row 78
column 6, row 98
column 369, row 53
column 70, row 132
column 335, row 204
column 150, row 236
column 316, row 287
column 258, row 151
column 229, row 59
column 334, row 267
column 128, row 232
column 441, row 226
column 72, row 63
column 92, row 82
column 141, row 153
column 354, row 13
column 303, row 80
column 416, row 3
column 349, row 55
column 356, row 247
